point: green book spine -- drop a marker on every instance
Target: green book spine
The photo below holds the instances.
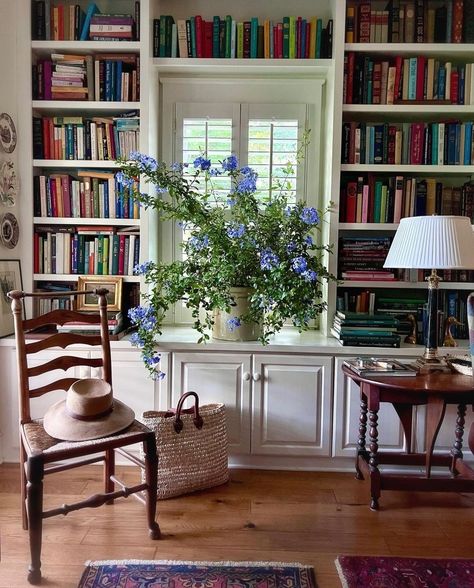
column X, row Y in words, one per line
column 319, row 33
column 292, row 40
column 253, row 37
column 163, row 20
column 115, row 255
column 228, row 36
column 240, row 40
column 105, row 256
column 100, row 254
column 384, row 205
column 215, row 36
column 377, row 201
column 95, row 197
column 193, row 36
column 286, row 37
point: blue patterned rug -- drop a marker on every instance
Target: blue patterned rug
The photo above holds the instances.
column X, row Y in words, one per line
column 176, row 574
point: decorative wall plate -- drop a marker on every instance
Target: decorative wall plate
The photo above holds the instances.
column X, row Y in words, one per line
column 9, row 230
column 7, row 133
column 8, row 183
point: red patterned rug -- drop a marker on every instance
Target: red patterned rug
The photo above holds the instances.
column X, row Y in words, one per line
column 404, row 572
column 179, row 574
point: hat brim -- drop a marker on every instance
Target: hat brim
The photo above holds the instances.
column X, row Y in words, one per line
column 58, row 423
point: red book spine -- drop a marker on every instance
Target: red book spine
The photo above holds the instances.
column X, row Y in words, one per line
column 54, row 199
column 308, row 40
column 350, row 77
column 45, row 127
column 392, row 131
column 36, row 264
column 121, row 254
column 199, row 29
column 61, row 36
column 247, row 27
column 458, row 12
column 351, row 202
column 397, row 88
column 279, row 37
column 208, row 33
column 454, row 97
column 65, row 185
column 364, row 23
column 420, row 77
column 416, row 144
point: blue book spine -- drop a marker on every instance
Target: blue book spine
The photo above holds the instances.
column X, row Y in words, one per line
column 413, row 64
column 106, row 200
column 216, row 27
column 75, row 254
column 378, row 143
column 461, row 84
column 108, row 81
column 253, row 37
column 467, row 143
column 91, row 10
column 457, row 146
column 372, row 145
column 303, row 38
column 193, row 36
column 451, row 128
column 319, row 32
column 434, row 144
column 118, row 83
column 370, row 73
column 441, row 82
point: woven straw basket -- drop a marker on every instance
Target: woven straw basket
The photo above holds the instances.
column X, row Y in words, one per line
column 192, row 447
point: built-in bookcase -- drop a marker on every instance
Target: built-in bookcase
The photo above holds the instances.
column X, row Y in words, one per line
column 407, row 142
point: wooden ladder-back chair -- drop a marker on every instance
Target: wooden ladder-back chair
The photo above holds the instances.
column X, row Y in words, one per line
column 38, row 449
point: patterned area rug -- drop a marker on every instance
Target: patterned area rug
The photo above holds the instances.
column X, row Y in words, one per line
column 179, row 574
column 404, row 572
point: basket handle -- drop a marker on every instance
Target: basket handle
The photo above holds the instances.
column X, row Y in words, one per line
column 197, row 420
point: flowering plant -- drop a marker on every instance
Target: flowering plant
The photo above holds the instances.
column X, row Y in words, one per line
column 235, row 239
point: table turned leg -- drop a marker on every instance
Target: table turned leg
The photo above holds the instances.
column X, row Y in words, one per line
column 456, row 451
column 373, row 462
column 435, row 410
column 361, row 448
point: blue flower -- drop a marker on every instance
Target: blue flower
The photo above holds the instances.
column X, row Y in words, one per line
column 152, row 360
column 143, row 316
column 202, row 163
column 233, row 323
column 159, row 189
column 198, row 243
column 268, row 259
column 230, row 163
column 290, row 247
column 158, row 375
column 236, row 231
column 177, row 166
column 308, row 240
column 309, row 215
column 215, row 172
column 247, row 184
column 247, row 171
column 299, row 264
column 309, row 275
column 121, row 178
column 136, row 340
column 144, row 161
column 231, row 202
column 143, row 268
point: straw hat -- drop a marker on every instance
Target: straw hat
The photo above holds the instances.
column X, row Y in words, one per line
column 89, row 412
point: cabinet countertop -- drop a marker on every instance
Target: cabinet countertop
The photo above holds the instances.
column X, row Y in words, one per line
column 287, row 341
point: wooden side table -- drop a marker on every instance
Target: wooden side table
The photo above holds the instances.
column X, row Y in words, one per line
column 435, row 391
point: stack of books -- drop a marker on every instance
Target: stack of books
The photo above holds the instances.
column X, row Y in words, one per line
column 111, row 27
column 63, row 77
column 115, row 322
column 365, row 330
column 363, row 258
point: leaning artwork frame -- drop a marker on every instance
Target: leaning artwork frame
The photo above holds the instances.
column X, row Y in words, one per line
column 90, row 301
column 10, row 279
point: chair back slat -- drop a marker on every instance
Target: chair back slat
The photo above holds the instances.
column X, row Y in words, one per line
column 63, row 384
column 60, row 317
column 62, row 340
column 64, row 363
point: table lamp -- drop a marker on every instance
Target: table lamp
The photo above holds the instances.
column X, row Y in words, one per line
column 433, row 243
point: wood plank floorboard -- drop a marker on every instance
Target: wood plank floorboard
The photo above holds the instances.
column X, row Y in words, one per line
column 307, row 517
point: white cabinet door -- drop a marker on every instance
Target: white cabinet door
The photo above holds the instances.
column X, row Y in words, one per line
column 218, row 377
column 292, row 400
column 346, row 419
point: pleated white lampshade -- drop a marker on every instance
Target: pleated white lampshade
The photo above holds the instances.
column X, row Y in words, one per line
column 432, row 242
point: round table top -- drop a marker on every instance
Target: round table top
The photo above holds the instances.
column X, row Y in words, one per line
column 434, row 382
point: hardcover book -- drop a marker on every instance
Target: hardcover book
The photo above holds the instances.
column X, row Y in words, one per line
column 373, row 366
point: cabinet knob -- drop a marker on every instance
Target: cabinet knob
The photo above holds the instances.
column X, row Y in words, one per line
column 246, row 376
column 256, row 377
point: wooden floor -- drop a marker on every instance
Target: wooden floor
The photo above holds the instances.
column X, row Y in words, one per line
column 259, row 516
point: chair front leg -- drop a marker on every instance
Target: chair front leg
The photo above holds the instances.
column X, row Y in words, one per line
column 34, row 493
column 109, row 470
column 23, row 457
column 151, row 473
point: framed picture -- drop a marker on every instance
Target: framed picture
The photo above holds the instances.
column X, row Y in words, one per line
column 90, row 301
column 10, row 279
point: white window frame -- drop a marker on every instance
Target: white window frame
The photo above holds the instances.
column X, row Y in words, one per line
column 241, row 100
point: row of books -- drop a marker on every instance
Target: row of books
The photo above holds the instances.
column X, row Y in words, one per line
column 106, row 77
column 416, row 143
column 415, row 21
column 92, row 194
column 369, row 199
column 362, row 258
column 85, row 250
column 369, row 80
column 293, row 38
column 68, row 22
column 74, row 137
column 365, row 330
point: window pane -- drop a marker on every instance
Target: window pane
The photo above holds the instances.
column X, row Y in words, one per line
column 271, row 145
